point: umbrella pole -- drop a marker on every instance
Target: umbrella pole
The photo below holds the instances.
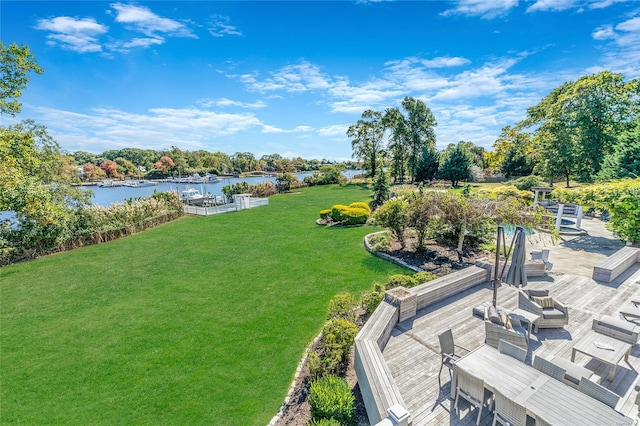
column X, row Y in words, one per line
column 496, row 277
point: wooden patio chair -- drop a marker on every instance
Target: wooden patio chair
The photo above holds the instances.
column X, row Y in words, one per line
column 598, row 392
column 470, row 388
column 448, row 351
column 508, row 412
column 512, row 350
column 549, row 368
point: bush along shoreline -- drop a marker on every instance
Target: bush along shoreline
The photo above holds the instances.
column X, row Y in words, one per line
column 87, row 226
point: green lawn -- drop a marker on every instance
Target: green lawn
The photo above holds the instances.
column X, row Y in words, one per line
column 202, row 320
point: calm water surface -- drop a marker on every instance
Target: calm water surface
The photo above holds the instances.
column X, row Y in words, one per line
column 105, row 196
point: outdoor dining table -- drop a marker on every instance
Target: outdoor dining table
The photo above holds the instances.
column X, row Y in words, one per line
column 542, row 396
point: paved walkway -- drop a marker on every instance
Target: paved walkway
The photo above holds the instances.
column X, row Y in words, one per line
column 576, row 255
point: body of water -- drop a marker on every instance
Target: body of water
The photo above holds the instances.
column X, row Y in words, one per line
column 105, row 196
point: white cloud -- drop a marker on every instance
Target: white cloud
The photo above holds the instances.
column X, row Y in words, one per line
column 560, row 5
column 273, row 129
column 445, row 61
column 604, row 32
column 601, row 4
column 219, row 27
column 224, row 102
column 621, row 48
column 631, row 25
column 486, row 81
column 142, row 19
column 75, row 34
column 334, row 130
column 300, row 77
column 554, row 5
column 487, row 9
column 159, row 128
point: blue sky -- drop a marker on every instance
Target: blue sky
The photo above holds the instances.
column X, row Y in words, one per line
column 289, row 77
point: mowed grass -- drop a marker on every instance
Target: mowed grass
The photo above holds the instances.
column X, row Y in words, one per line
column 199, row 321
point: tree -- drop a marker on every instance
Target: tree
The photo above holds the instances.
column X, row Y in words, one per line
column 428, row 164
column 243, row 162
column 514, row 152
column 285, row 181
column 92, row 172
column 455, row 164
column 126, row 167
column 165, row 164
column 367, row 143
column 110, row 168
column 16, row 62
column 420, row 124
column 624, row 161
column 380, row 189
column 399, row 142
column 575, row 125
column 394, row 214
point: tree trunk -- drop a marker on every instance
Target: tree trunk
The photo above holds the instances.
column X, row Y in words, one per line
column 461, row 235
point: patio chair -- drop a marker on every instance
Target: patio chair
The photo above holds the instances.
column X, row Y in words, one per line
column 544, row 256
column 552, row 315
column 508, row 412
column 549, row 368
column 470, row 388
column 512, row 350
column 598, row 392
column 630, row 313
column 448, row 351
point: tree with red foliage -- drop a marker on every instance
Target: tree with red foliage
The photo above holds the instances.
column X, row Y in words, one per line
column 110, row 168
column 164, row 164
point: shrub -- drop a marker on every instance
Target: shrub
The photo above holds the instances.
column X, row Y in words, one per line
column 331, row 398
column 324, row 422
column 338, row 335
column 398, row 280
column 343, row 306
column 316, row 366
column 380, row 241
column 423, row 277
column 263, row 189
column 370, row 299
column 394, row 214
column 361, row 205
column 286, row 181
column 355, row 216
column 324, row 214
column 525, row 183
column 337, row 212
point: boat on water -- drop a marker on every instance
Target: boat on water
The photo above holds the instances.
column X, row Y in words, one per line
column 110, row 183
column 192, row 196
column 196, row 179
column 138, row 183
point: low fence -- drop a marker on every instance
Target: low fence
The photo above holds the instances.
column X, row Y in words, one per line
column 225, row 208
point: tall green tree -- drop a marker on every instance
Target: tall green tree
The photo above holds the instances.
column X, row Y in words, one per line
column 16, row 63
column 367, row 140
column 420, row 124
column 398, row 142
column 514, row 152
column 624, row 161
column 576, row 124
column 428, row 164
column 455, row 164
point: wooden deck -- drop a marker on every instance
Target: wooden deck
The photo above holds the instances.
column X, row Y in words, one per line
column 413, row 351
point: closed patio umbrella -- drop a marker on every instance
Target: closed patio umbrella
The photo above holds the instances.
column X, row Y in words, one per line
column 517, row 275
